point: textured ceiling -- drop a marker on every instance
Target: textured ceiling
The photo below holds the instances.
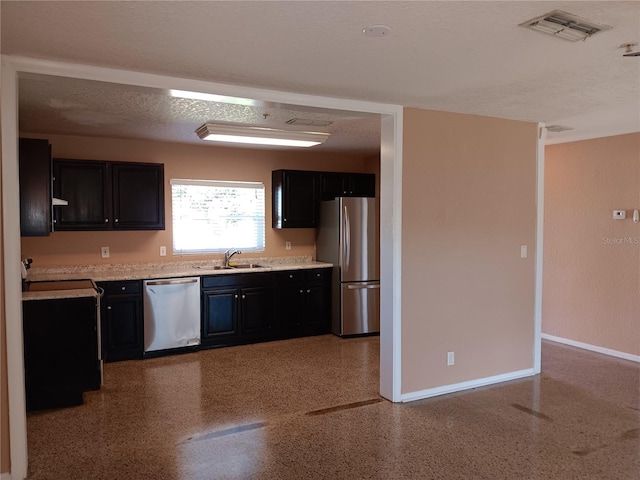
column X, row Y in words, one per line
column 454, row 56
column 57, row 105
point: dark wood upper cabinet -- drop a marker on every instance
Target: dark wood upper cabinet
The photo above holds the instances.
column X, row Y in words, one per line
column 335, row 184
column 138, row 196
column 109, row 195
column 295, row 195
column 85, row 185
column 35, row 187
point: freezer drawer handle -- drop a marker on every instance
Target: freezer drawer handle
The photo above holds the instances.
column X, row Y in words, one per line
column 173, row 282
column 356, row 287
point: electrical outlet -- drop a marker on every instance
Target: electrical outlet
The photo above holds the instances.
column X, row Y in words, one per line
column 450, row 358
column 105, row 252
column 287, row 245
column 523, row 251
column 163, row 251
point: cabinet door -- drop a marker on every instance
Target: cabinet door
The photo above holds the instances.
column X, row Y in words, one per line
column 257, row 310
column 333, row 185
column 220, row 314
column 138, row 196
column 296, row 195
column 362, row 185
column 122, row 328
column 290, row 304
column 318, row 309
column 35, row 187
column 85, row 186
column 348, row 185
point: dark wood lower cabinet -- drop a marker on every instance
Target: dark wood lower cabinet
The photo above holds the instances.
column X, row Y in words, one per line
column 219, row 315
column 236, row 308
column 122, row 320
column 303, row 302
column 257, row 307
column 60, row 351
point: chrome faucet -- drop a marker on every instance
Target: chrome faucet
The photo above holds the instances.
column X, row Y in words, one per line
column 228, row 254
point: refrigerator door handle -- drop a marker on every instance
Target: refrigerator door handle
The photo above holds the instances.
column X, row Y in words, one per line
column 352, row 286
column 347, row 236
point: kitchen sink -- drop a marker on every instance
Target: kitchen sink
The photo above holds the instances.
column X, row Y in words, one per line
column 240, row 266
column 213, row 267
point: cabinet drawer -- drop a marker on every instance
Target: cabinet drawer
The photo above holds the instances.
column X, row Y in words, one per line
column 290, row 276
column 121, row 288
column 319, row 275
column 236, row 279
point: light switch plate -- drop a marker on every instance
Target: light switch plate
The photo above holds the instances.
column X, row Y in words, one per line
column 523, row 251
column 163, row 251
column 451, row 358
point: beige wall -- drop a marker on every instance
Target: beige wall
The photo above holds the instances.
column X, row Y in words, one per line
column 591, row 267
column 468, row 204
column 180, row 161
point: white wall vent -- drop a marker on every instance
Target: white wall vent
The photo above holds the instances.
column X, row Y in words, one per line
column 565, row 25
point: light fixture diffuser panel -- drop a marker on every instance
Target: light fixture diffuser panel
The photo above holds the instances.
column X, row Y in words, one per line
column 259, row 136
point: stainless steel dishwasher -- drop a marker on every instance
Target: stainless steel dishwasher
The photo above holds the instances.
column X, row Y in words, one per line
column 171, row 313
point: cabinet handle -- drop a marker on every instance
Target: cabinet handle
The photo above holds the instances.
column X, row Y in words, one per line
column 317, row 274
column 244, row 296
column 301, row 291
column 116, row 220
column 235, row 296
column 109, row 307
column 308, row 291
column 124, row 288
column 291, row 276
column 106, row 220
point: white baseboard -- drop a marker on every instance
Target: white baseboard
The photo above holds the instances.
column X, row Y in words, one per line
column 458, row 387
column 593, row 348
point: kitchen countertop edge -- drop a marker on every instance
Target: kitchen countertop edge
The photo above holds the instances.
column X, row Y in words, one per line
column 57, row 294
column 122, row 274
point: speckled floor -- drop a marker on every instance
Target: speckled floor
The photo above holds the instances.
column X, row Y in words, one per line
column 309, row 409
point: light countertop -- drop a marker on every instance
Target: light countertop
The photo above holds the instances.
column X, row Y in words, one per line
column 194, row 268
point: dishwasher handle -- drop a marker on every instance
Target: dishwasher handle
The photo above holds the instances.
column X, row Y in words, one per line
column 173, row 282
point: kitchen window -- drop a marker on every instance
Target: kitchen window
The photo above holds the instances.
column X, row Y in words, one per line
column 211, row 216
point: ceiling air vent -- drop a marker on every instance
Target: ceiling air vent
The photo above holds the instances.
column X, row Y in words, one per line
column 308, row 122
column 558, row 128
column 565, row 25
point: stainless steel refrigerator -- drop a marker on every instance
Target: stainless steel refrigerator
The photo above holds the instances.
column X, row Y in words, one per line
column 348, row 238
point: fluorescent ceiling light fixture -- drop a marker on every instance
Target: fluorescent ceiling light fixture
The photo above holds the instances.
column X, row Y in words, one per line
column 565, row 25
column 259, row 135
